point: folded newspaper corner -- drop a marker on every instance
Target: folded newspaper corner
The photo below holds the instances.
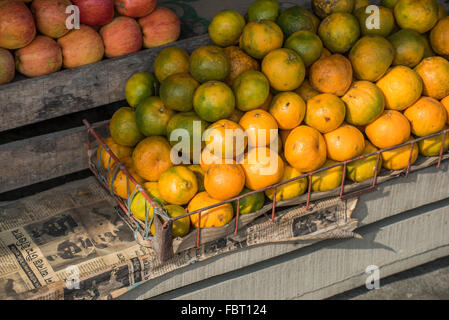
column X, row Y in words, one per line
column 69, row 243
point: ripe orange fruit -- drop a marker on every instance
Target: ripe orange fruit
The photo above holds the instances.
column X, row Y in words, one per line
column 439, row 37
column 325, row 112
column 390, row 129
column 445, row 103
column 289, row 109
column 328, row 179
column 260, row 126
column 208, row 159
column 284, row 69
column 151, row 157
column 365, row 168
column 344, row 143
column 291, row 189
column 169, row 61
column 260, row 37
column 117, row 178
column 214, row 217
column 262, row 167
column 119, row 151
column 426, row 116
column 364, row 103
column 224, row 181
column 434, row 72
column 397, row 159
column 305, row 149
column 420, row 15
column 240, row 62
column 214, row 101
column 401, row 87
column 432, row 146
column 152, row 190
column 263, row 10
column 226, row 27
column 332, row 74
column 177, row 185
column 123, row 127
column 225, row 138
column 251, row 89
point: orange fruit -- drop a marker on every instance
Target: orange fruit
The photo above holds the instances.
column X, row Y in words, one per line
column 325, row 8
column 339, row 31
column 117, row 179
column 152, row 117
column 240, row 62
column 291, row 189
column 439, row 37
column 263, row 10
column 306, row 91
column 332, row 74
column 390, row 129
column 208, row 159
column 307, row 44
column 151, row 157
column 249, row 204
column 214, row 101
column 224, row 181
column 260, row 126
column 386, row 21
column 328, row 179
column 364, row 103
column 266, row 105
column 409, row 47
column 251, row 89
column 445, row 103
column 119, row 151
column 215, row 217
column 434, row 72
column 262, row 167
column 401, row 87
column 123, row 127
column 177, row 91
column 344, row 143
column 226, row 27
column 432, row 146
column 284, row 69
column 426, row 116
column 140, row 86
column 169, row 61
column 325, row 112
column 305, row 149
column 363, row 169
column 289, row 109
column 177, row 185
column 152, row 190
column 418, row 15
column 284, row 134
column 209, row 63
column 398, row 158
column 260, row 37
column 296, row 18
column 199, row 173
column 225, row 138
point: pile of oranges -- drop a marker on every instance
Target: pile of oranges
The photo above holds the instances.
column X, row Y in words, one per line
column 277, row 95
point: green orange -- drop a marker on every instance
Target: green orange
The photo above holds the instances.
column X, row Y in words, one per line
column 307, row 44
column 260, row 37
column 251, row 89
column 140, row 86
column 409, row 47
column 177, row 91
column 296, row 18
column 324, row 8
column 364, row 103
column 226, row 27
column 249, row 204
column 263, row 10
column 418, row 15
column 213, row 101
column 209, row 63
column 169, row 61
column 339, row 32
column 367, row 22
column 123, row 127
column 152, row 117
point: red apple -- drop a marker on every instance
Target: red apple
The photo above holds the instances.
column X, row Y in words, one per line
column 7, row 68
column 121, row 36
column 81, row 46
column 95, row 12
column 160, row 27
column 17, row 27
column 42, row 56
column 135, row 8
column 51, row 17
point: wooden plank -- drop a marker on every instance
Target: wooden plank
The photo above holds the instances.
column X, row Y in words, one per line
column 71, row 90
column 335, row 266
column 42, row 158
column 394, row 197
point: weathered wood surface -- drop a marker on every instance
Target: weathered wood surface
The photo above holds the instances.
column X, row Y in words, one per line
column 41, row 158
column 332, row 267
column 31, row 100
column 393, row 198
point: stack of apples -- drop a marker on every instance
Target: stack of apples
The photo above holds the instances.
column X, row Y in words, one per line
column 39, row 37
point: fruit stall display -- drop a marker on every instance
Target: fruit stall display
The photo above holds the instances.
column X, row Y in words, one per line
column 37, row 38
column 344, row 100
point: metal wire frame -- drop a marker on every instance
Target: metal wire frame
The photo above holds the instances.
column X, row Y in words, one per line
column 160, row 212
